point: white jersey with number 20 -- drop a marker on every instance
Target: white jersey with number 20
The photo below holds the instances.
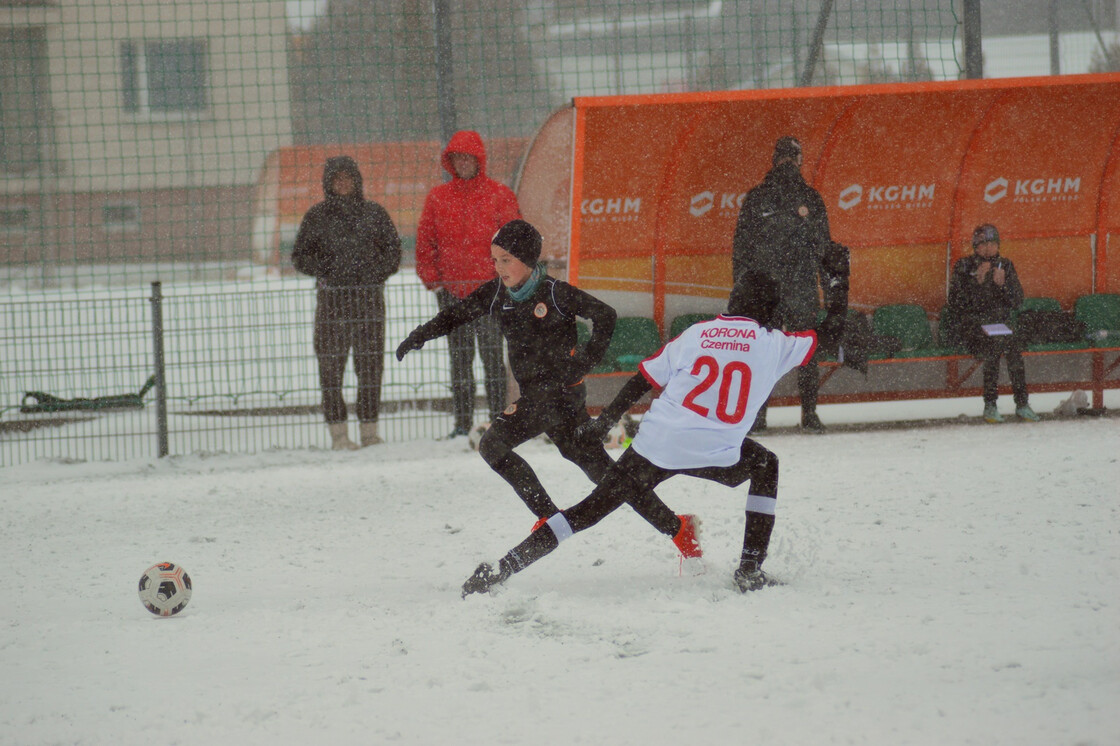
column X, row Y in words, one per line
column 715, row 377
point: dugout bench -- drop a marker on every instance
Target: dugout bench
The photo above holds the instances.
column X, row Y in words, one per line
column 925, row 368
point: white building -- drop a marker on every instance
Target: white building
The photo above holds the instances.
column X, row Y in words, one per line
column 136, row 128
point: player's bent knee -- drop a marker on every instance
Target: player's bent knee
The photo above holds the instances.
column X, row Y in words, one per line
column 493, row 449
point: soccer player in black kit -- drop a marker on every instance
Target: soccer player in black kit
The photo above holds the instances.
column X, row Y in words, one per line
column 537, row 315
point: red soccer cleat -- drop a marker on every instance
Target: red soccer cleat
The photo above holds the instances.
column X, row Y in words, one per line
column 688, row 538
column 540, row 522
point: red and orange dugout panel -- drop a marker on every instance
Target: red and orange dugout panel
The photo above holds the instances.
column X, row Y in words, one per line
column 642, row 192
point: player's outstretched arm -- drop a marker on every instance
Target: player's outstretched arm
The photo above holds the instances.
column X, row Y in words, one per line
column 414, row 341
column 631, row 392
column 455, row 315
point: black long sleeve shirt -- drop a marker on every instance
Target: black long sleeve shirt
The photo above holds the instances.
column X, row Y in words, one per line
column 540, row 331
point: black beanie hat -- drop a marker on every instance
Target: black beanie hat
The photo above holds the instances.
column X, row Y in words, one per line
column 984, row 233
column 786, row 147
column 520, row 239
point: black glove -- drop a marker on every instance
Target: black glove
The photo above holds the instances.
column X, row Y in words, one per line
column 413, row 341
column 829, row 333
column 578, row 367
column 596, row 428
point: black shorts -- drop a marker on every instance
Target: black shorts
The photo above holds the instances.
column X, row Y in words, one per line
column 556, row 413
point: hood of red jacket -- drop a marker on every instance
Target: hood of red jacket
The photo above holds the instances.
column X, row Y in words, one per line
column 465, row 141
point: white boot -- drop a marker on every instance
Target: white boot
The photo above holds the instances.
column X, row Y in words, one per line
column 340, row 441
column 368, row 431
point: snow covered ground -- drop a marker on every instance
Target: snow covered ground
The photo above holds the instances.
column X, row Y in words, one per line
column 955, row 584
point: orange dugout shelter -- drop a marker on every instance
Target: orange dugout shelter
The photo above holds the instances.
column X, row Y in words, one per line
column 640, row 194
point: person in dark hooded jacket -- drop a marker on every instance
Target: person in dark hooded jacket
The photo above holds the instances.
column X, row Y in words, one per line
column 350, row 246
column 453, row 259
column 782, row 231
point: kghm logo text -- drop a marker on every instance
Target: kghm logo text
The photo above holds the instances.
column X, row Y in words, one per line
column 887, row 197
column 1042, row 189
column 727, row 203
column 610, row 209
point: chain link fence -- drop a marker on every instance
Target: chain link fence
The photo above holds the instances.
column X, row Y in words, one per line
column 142, row 140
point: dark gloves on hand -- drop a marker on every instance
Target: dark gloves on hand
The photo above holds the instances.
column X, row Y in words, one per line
column 578, row 367
column 829, row 333
column 413, row 341
column 596, row 428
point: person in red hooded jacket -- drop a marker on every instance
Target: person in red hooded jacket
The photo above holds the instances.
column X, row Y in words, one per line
column 459, row 219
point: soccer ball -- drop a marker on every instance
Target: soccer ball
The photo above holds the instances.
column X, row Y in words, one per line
column 474, row 437
column 165, row 589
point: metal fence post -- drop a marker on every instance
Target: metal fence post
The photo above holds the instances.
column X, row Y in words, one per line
column 1055, row 51
column 157, row 346
column 445, row 79
column 817, row 43
column 973, row 52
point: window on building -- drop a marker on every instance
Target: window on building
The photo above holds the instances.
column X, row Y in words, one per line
column 24, row 100
column 164, row 77
column 120, row 217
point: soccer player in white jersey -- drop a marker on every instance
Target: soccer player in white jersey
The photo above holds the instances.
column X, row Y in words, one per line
column 714, row 377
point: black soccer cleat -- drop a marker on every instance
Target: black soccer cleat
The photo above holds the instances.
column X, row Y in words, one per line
column 750, row 577
column 484, row 578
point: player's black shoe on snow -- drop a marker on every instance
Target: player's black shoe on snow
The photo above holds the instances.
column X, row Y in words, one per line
column 750, row 577
column 811, row 423
column 484, row 578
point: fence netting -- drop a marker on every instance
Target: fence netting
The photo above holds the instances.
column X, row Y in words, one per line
column 180, row 142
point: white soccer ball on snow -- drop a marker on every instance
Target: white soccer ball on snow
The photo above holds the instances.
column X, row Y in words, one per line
column 474, row 437
column 165, row 589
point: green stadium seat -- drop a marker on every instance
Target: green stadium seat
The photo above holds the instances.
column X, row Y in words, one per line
column 908, row 324
column 686, row 320
column 635, row 338
column 1101, row 314
column 1038, row 303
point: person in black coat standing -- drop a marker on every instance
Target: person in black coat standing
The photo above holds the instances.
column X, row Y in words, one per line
column 782, row 231
column 983, row 291
column 350, row 246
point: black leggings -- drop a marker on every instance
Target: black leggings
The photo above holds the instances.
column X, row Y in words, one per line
column 350, row 319
column 556, row 414
column 632, row 478
column 989, row 350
